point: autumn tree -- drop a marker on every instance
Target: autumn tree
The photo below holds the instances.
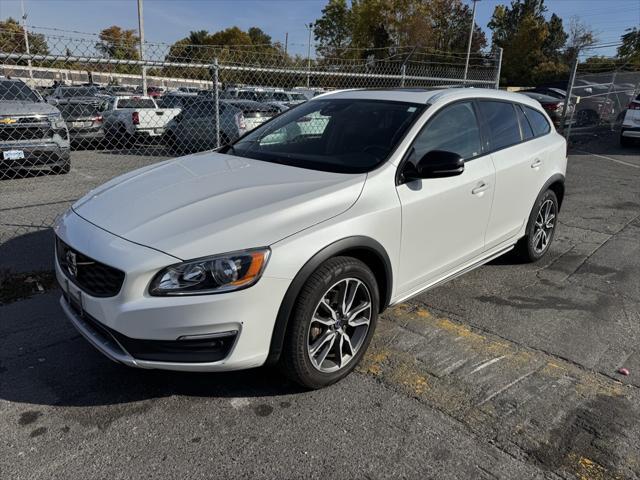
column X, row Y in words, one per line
column 532, row 45
column 118, row 43
column 12, row 39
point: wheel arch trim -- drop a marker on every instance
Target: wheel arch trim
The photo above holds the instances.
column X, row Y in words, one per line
column 344, row 245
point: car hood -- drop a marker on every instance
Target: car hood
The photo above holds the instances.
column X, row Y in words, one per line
column 213, row 203
column 26, row 108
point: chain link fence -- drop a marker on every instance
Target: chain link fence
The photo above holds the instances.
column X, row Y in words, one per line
column 81, row 111
column 600, row 91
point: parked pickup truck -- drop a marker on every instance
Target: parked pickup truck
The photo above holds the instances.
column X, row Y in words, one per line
column 33, row 134
column 128, row 119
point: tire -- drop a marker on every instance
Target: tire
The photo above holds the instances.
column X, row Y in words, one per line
column 325, row 341
column 532, row 246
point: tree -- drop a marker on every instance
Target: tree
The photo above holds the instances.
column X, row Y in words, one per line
column 117, row 43
column 532, row 46
column 12, row 39
column 630, row 48
column 332, row 31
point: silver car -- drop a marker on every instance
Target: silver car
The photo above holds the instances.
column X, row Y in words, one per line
column 194, row 129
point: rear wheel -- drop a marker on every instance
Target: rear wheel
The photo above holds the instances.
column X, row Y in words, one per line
column 332, row 323
column 541, row 228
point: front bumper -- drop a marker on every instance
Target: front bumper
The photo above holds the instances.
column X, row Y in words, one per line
column 138, row 330
column 630, row 132
column 35, row 155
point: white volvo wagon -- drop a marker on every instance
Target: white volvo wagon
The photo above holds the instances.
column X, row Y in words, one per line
column 287, row 245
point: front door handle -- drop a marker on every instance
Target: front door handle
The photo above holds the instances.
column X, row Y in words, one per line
column 536, row 163
column 481, row 187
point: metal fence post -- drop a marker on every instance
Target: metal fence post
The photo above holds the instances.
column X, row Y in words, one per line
column 606, row 99
column 500, row 50
column 216, row 97
column 567, row 99
column 403, row 72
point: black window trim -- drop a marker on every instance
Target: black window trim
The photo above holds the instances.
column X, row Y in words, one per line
column 409, row 150
column 482, row 125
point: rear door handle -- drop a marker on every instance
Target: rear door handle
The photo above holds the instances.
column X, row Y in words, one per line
column 536, row 163
column 481, row 187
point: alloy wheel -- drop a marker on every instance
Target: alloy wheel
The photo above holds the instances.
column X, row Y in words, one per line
column 339, row 325
column 543, row 228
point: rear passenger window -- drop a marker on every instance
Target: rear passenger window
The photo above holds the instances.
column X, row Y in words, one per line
column 453, row 129
column 502, row 123
column 538, row 122
column 527, row 132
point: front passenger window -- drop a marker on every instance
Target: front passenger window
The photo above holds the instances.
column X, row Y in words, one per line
column 453, row 129
column 502, row 123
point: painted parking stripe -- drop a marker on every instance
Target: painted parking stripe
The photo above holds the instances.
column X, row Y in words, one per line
column 622, row 162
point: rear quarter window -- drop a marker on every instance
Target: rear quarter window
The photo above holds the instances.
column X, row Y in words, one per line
column 525, row 126
column 538, row 122
column 502, row 123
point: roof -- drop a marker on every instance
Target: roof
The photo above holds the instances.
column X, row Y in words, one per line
column 424, row 95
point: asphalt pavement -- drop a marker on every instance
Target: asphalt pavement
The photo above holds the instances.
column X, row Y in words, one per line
column 508, row 372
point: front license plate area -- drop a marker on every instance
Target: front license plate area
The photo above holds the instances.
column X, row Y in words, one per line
column 13, row 155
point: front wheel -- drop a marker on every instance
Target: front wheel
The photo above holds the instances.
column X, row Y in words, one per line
column 332, row 323
column 541, row 228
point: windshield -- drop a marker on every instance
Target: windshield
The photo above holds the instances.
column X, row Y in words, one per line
column 11, row 90
column 335, row 135
column 78, row 92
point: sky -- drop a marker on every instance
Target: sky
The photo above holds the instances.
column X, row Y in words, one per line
column 166, row 21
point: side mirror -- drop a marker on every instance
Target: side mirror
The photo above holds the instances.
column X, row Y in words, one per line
column 435, row 164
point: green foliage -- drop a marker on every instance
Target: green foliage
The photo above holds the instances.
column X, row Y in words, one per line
column 12, row 39
column 120, row 44
column 533, row 46
column 630, row 48
column 375, row 27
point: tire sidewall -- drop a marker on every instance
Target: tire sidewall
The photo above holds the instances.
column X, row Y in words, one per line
column 542, row 198
column 305, row 308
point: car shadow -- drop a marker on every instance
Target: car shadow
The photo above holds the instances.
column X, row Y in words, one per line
column 25, row 252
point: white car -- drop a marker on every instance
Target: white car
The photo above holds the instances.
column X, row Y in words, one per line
column 630, row 130
column 286, row 245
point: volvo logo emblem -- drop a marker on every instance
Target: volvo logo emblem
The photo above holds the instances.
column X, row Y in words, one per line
column 72, row 263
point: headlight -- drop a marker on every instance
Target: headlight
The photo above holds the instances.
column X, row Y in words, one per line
column 56, row 120
column 215, row 274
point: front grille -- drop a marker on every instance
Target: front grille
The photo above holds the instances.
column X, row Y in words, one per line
column 16, row 134
column 91, row 276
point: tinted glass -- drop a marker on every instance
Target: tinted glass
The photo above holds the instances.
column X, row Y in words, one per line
column 527, row 132
column 78, row 110
column 11, row 90
column 538, row 123
column 136, row 103
column 200, row 109
column 502, row 123
column 453, row 129
column 335, row 135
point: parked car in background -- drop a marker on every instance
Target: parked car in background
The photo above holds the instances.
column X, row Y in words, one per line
column 554, row 106
column 33, row 134
column 130, row 119
column 287, row 251
column 177, row 99
column 84, row 122
column 119, row 90
column 255, row 113
column 63, row 94
column 189, row 89
column 589, row 107
column 194, row 129
column 155, row 92
column 630, row 129
column 286, row 99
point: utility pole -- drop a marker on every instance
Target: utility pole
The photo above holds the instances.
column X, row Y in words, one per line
column 310, row 27
column 473, row 24
column 286, row 43
column 141, row 32
column 26, row 40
